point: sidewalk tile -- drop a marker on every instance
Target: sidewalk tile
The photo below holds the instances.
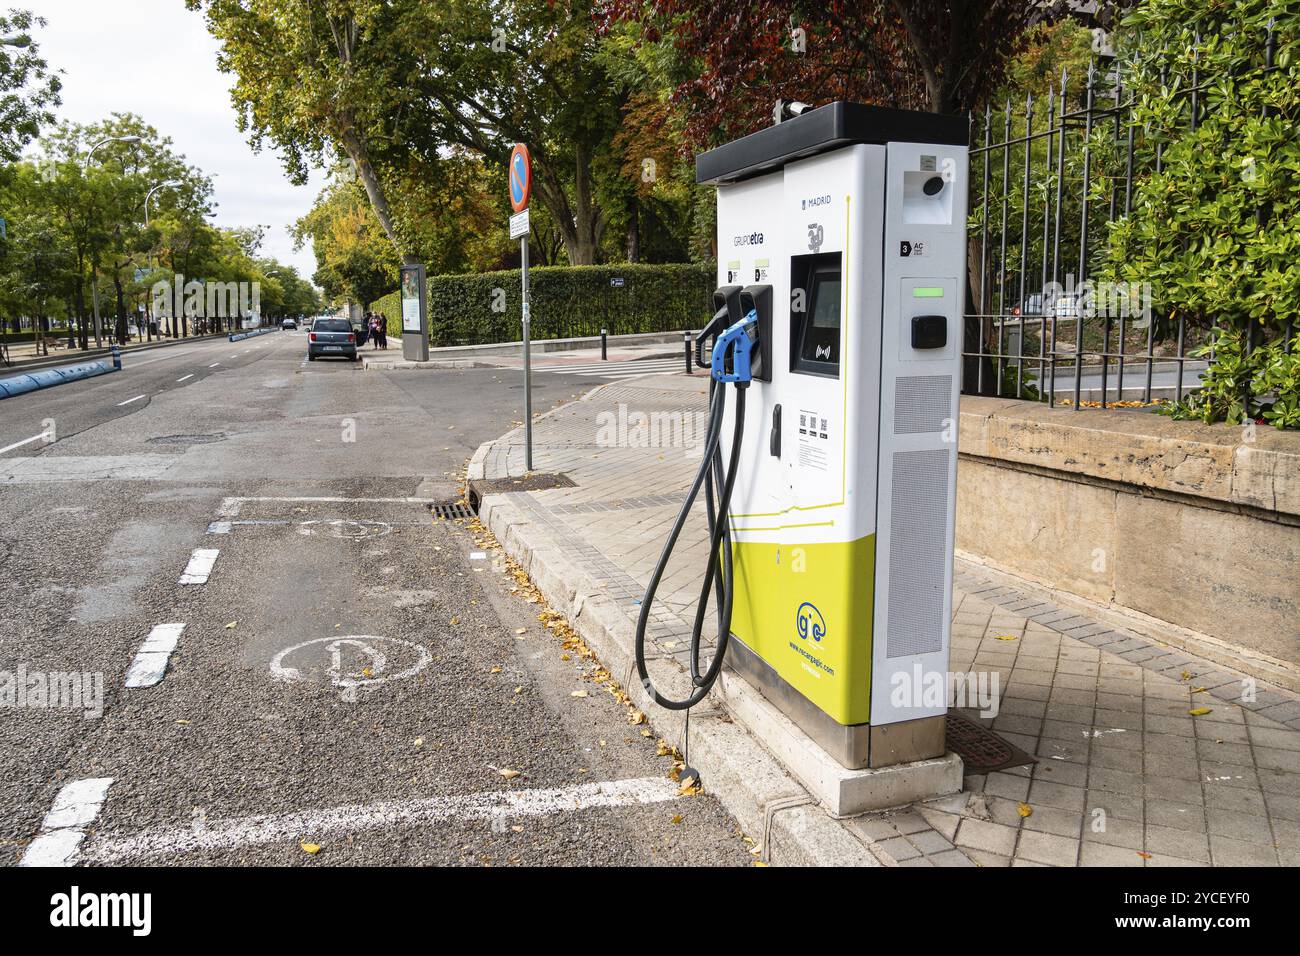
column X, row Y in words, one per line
column 1185, row 844
column 1228, row 852
column 1099, row 854
column 990, row 837
column 1047, row 848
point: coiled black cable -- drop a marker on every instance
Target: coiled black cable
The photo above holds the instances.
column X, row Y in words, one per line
column 718, row 576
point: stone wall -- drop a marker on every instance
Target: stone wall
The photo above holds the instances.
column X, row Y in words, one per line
column 1196, row 526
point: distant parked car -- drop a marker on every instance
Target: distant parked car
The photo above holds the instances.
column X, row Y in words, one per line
column 332, row 337
column 289, row 324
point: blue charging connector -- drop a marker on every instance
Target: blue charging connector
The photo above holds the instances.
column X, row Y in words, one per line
column 739, row 341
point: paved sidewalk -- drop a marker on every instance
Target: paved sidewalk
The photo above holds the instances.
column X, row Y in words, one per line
column 1126, row 773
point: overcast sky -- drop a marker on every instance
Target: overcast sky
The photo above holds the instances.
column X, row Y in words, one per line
column 156, row 59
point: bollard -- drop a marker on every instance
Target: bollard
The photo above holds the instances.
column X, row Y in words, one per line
column 604, row 345
column 686, row 339
column 117, row 358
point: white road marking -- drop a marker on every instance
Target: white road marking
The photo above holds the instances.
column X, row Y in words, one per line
column 19, row 444
column 200, row 566
column 349, row 683
column 347, row 528
column 616, row 370
column 214, row 365
column 225, row 527
column 230, row 507
column 431, row 811
column 150, row 662
column 184, row 378
column 130, row 400
column 75, row 808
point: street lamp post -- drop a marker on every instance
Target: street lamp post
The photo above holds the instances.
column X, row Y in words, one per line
column 147, row 199
column 94, row 273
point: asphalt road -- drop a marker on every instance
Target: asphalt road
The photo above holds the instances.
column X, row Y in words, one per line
column 352, row 673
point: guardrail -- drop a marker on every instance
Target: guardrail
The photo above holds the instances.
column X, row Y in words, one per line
column 49, row 377
column 252, row 333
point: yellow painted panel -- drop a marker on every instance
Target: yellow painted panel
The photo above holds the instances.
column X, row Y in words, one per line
column 807, row 611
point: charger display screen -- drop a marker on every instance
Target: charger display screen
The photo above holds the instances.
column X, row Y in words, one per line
column 819, row 345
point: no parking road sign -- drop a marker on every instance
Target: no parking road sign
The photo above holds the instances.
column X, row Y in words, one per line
column 521, row 177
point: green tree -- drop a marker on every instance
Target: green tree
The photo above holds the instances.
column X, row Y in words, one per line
column 355, row 261
column 317, row 80
column 29, row 90
column 1213, row 227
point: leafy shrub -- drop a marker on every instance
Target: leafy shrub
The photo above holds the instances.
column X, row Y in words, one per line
column 566, row 302
column 1215, row 229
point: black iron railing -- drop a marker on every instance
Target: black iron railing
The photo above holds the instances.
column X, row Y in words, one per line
column 1048, row 177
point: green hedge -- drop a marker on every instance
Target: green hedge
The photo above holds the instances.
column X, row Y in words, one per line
column 567, row 302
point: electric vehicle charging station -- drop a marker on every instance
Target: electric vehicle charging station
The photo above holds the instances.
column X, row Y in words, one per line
column 841, row 265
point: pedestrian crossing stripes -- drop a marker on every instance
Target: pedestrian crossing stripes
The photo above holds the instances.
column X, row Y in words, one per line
column 617, row 370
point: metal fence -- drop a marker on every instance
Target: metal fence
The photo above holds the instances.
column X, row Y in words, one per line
column 1047, row 177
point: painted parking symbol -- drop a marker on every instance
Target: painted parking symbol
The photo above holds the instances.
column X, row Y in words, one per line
column 346, row 528
column 355, row 662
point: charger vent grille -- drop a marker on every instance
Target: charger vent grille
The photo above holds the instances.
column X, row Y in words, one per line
column 922, row 404
column 918, row 552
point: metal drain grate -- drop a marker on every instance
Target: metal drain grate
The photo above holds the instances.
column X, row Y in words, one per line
column 981, row 750
column 451, row 510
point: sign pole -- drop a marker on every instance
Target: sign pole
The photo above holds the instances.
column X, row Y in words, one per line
column 528, row 361
column 521, row 191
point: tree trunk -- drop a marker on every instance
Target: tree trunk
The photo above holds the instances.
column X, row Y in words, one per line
column 119, row 328
column 582, row 224
column 360, row 157
column 634, row 233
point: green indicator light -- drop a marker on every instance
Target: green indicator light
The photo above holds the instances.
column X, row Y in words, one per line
column 928, row 292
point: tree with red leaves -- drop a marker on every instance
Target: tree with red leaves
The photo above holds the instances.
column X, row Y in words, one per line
column 737, row 57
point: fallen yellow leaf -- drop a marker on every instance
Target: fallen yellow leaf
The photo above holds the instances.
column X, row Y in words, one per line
column 1007, row 637
column 1201, row 711
column 677, row 819
column 757, row 863
column 579, row 693
column 231, row 626
column 310, row 848
column 508, row 774
column 1025, row 810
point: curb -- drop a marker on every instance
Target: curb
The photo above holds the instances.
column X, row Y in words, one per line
column 49, row 377
column 767, row 801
